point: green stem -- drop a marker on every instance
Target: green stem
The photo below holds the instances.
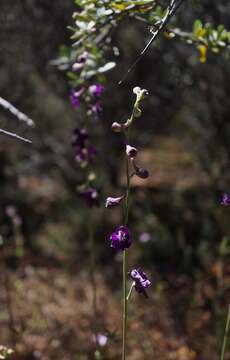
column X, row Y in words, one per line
column 92, row 268
column 225, row 335
column 125, row 263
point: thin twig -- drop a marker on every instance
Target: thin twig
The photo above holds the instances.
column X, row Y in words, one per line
column 8, row 133
column 227, row 327
column 21, row 116
column 171, row 10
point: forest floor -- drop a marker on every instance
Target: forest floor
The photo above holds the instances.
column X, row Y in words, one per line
column 45, row 313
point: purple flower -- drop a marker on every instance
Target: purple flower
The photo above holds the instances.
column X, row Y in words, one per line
column 225, row 200
column 77, row 66
column 91, row 197
column 92, row 152
column 96, row 90
column 100, row 339
column 131, row 151
column 144, row 237
column 85, row 154
column 75, row 97
column 121, row 238
column 79, row 137
column 111, row 201
column 96, row 108
column 140, row 279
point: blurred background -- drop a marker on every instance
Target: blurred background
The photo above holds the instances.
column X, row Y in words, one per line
column 181, row 231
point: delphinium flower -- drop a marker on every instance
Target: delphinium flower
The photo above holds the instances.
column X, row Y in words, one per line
column 225, row 199
column 140, row 280
column 121, row 238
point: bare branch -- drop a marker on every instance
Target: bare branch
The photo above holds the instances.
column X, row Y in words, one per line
column 8, row 133
column 172, row 8
column 21, row 116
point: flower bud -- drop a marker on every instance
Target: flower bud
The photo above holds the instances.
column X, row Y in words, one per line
column 83, row 57
column 117, row 127
column 131, row 151
column 140, row 93
column 140, row 172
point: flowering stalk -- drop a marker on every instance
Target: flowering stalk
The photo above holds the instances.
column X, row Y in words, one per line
column 92, row 268
column 121, row 238
column 125, row 260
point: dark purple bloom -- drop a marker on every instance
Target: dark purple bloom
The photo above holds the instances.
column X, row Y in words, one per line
column 140, row 279
column 121, row 238
column 96, row 90
column 91, row 197
column 92, row 152
column 79, row 137
column 96, row 108
column 225, row 200
column 75, row 97
column 85, row 154
column 111, row 201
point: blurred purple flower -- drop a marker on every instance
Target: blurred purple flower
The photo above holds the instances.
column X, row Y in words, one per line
column 77, row 66
column 121, row 238
column 11, row 211
column 96, row 90
column 79, row 137
column 225, row 200
column 111, row 201
column 144, row 237
column 91, row 197
column 141, row 280
column 100, row 339
column 96, row 108
column 84, row 153
column 75, row 97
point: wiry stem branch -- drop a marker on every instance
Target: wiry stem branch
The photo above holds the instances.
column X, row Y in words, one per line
column 172, row 8
column 227, row 327
column 8, row 133
column 20, row 115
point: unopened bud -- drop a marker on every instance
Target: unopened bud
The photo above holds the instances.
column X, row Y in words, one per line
column 131, row 151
